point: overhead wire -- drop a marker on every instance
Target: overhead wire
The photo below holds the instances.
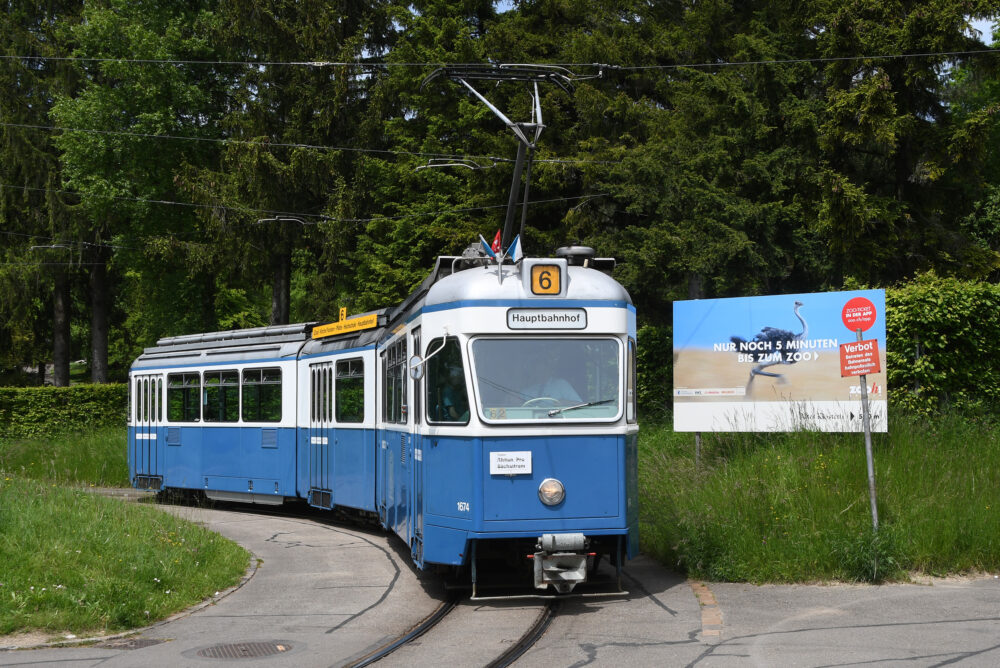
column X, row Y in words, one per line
column 377, row 65
column 322, row 218
column 269, row 144
column 796, row 61
column 607, row 66
column 56, row 240
column 53, row 264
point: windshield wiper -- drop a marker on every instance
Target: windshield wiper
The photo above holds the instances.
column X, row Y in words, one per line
column 557, row 411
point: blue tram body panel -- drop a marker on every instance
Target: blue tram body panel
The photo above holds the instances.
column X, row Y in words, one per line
column 360, row 415
column 465, row 502
column 354, row 464
column 589, row 467
column 183, row 458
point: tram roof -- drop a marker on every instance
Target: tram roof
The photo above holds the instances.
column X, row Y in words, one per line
column 453, row 279
column 482, row 283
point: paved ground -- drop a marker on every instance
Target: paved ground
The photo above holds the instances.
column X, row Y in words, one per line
column 326, row 593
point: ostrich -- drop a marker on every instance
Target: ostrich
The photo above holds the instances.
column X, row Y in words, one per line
column 770, row 353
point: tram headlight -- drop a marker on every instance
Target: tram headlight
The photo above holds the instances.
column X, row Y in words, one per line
column 551, row 492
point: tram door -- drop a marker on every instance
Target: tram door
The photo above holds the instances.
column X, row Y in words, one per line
column 147, row 417
column 321, row 434
column 417, row 545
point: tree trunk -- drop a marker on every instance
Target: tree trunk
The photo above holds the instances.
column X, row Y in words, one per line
column 696, row 287
column 100, row 302
column 209, row 323
column 281, row 287
column 60, row 330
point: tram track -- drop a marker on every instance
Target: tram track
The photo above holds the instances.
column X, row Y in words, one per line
column 420, row 629
column 444, row 611
column 527, row 640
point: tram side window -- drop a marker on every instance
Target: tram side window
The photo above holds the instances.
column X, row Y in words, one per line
column 183, row 397
column 394, row 404
column 447, row 394
column 262, row 395
column 350, row 390
column 221, row 396
column 328, row 394
column 630, row 385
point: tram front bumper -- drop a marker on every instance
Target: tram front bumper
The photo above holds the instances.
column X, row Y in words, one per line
column 561, row 561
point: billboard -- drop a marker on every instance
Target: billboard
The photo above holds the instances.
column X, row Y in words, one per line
column 774, row 363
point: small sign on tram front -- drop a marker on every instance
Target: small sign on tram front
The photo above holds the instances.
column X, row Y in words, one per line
column 510, row 463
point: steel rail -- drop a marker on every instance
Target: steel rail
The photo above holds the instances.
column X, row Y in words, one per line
column 530, row 637
column 420, row 629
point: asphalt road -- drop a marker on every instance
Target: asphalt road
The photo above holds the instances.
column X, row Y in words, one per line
column 325, row 594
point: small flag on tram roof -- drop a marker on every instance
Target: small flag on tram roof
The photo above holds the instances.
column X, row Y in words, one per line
column 514, row 251
column 486, row 247
column 496, row 243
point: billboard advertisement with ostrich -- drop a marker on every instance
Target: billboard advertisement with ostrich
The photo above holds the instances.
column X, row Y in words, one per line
column 773, row 363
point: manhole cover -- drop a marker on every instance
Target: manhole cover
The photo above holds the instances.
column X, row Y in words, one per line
column 244, row 650
column 130, row 643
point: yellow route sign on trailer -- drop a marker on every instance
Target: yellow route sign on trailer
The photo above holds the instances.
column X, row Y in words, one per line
column 345, row 326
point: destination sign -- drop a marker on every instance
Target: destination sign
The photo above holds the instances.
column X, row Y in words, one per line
column 546, row 318
column 346, row 326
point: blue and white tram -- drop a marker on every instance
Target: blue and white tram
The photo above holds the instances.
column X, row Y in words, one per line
column 491, row 413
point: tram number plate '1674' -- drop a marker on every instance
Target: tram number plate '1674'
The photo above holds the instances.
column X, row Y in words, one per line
column 545, row 279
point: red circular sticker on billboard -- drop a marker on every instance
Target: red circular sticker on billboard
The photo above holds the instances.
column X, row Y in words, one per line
column 858, row 313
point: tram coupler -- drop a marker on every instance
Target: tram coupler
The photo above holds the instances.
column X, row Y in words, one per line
column 561, row 561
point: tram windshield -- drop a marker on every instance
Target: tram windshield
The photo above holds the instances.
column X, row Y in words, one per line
column 547, row 378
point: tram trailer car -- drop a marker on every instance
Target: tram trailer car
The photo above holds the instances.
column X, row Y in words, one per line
column 492, row 413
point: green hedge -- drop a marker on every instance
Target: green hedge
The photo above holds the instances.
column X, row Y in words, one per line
column 943, row 340
column 654, row 359
column 39, row 411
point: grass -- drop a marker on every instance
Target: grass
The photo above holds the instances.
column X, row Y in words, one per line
column 757, row 508
column 75, row 561
column 72, row 561
column 97, row 458
column 795, row 508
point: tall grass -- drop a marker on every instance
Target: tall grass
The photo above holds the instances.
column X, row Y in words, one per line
column 94, row 458
column 794, row 507
column 75, row 561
